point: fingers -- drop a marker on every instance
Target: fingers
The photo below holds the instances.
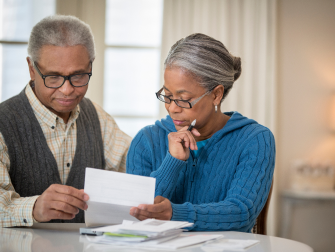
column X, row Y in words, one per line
column 184, row 137
column 70, row 201
column 144, row 214
column 158, row 199
column 65, row 200
column 55, row 214
column 79, row 194
column 195, row 132
column 191, row 143
column 45, row 210
column 155, row 208
column 69, row 195
column 160, row 211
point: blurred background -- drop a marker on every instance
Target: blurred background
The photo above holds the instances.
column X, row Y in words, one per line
column 287, row 49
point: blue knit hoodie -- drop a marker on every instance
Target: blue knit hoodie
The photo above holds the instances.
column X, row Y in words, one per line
column 225, row 188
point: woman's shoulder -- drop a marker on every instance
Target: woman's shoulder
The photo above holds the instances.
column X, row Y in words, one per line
column 244, row 127
column 155, row 132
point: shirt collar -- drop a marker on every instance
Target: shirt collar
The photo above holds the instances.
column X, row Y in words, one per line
column 43, row 112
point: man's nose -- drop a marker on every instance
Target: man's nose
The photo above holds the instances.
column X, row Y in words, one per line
column 67, row 89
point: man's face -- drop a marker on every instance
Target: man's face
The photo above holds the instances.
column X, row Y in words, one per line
column 56, row 60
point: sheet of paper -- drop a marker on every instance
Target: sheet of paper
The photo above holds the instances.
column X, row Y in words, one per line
column 183, row 241
column 113, row 228
column 166, row 243
column 153, row 225
column 231, row 244
column 112, row 194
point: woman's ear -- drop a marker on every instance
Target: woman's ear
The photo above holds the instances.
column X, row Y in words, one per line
column 218, row 94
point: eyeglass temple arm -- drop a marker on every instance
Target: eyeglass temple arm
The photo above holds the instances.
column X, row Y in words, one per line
column 159, row 91
column 196, row 100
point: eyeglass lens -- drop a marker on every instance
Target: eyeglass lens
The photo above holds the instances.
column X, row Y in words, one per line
column 180, row 103
column 76, row 80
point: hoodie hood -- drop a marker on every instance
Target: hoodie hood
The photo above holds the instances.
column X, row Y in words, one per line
column 235, row 122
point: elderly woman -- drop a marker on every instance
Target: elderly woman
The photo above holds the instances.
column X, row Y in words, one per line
column 217, row 175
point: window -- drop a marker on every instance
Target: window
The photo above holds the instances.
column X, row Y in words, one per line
column 132, row 62
column 17, row 18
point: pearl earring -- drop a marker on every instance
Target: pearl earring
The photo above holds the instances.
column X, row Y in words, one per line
column 216, row 108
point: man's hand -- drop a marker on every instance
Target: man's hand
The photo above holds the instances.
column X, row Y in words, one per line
column 59, row 202
column 160, row 210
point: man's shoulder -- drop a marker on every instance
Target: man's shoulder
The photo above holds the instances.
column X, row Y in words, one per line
column 12, row 104
column 102, row 114
column 108, row 123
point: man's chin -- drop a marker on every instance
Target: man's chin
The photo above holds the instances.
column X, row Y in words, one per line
column 61, row 111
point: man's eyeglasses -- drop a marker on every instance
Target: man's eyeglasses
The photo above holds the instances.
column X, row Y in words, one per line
column 179, row 103
column 56, row 81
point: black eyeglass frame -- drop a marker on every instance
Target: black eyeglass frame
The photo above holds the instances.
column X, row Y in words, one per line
column 68, row 77
column 158, row 95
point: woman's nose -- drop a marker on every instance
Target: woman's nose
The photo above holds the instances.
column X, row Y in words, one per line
column 174, row 108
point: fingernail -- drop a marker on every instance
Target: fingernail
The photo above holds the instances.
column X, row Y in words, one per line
column 141, row 207
column 85, row 207
column 86, row 198
column 77, row 211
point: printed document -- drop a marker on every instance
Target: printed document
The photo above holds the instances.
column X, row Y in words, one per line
column 112, row 194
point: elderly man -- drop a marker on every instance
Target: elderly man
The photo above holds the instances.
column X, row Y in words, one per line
column 50, row 133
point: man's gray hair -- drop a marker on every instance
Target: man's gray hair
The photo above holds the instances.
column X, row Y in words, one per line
column 60, row 30
column 207, row 60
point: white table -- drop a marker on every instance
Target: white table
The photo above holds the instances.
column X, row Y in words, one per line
column 66, row 237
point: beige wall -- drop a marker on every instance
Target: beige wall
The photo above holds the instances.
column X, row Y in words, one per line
column 306, row 79
column 306, row 82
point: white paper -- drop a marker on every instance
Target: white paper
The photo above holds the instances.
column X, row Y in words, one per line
column 168, row 243
column 154, row 226
column 231, row 244
column 183, row 241
column 112, row 194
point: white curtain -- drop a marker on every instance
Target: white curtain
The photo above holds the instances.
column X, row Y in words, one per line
column 247, row 29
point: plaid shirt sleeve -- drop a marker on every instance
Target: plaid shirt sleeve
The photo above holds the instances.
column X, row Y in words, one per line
column 116, row 142
column 14, row 210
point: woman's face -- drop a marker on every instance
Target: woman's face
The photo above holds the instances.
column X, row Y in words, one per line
column 179, row 84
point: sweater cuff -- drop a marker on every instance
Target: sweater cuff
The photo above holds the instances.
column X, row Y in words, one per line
column 182, row 212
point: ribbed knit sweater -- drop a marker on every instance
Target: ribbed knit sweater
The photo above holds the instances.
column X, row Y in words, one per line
column 225, row 188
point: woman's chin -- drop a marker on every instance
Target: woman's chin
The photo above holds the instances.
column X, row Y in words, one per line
column 178, row 127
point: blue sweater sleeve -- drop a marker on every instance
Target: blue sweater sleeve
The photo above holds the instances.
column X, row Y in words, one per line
column 140, row 161
column 246, row 196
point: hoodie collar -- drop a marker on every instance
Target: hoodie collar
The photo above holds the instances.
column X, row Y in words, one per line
column 235, row 122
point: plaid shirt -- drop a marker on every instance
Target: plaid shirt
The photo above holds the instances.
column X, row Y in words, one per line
column 62, row 141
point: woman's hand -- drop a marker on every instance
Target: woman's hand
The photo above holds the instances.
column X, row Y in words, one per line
column 160, row 210
column 181, row 142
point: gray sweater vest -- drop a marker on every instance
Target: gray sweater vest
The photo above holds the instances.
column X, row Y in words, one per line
column 33, row 167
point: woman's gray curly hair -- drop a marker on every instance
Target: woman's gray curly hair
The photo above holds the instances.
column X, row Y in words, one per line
column 60, row 30
column 207, row 59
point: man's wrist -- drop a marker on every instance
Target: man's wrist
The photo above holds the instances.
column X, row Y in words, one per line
column 32, row 212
